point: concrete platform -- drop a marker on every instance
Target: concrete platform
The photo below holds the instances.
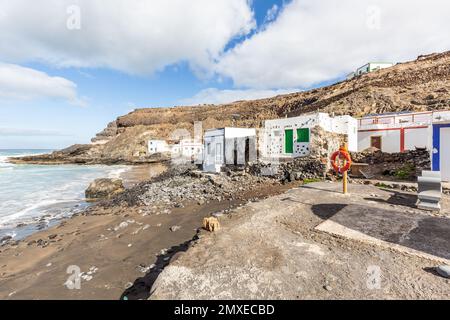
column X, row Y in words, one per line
column 419, row 234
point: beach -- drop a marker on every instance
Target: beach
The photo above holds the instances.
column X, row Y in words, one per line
column 114, row 244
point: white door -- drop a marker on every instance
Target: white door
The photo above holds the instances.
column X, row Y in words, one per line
column 444, row 154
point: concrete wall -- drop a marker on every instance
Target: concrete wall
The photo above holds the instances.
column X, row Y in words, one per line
column 418, row 137
column 274, row 133
column 220, row 146
column 214, row 144
column 157, row 146
column 390, row 140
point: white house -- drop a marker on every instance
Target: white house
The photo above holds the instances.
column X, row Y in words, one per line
column 398, row 132
column 188, row 148
column 228, row 146
column 372, row 66
column 369, row 67
column 157, row 146
column 290, row 137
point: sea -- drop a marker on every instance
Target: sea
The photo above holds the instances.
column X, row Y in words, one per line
column 35, row 197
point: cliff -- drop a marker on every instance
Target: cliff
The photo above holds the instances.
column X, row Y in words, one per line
column 419, row 85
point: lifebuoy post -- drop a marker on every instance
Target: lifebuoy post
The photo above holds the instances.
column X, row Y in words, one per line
column 345, row 175
column 341, row 162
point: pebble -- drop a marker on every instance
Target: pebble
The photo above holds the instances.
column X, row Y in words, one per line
column 175, row 228
column 328, row 288
column 128, row 285
column 444, row 270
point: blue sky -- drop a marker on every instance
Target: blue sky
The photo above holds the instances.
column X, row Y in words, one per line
column 68, row 84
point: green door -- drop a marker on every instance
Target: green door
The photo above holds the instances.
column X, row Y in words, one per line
column 288, row 141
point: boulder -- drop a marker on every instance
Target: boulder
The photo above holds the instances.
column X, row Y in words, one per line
column 104, row 189
column 444, row 271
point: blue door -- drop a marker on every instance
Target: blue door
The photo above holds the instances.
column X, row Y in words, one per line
column 440, row 152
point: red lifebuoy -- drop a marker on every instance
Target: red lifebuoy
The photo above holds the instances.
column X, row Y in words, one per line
column 343, row 155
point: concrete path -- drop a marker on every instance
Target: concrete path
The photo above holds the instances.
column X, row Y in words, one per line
column 272, row 250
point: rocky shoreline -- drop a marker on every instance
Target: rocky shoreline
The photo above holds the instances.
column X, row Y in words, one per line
column 86, row 154
column 123, row 237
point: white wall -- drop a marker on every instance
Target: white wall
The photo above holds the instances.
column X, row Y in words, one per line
column 157, row 146
column 213, row 155
column 274, row 144
column 239, row 132
column 417, row 138
column 348, row 126
column 390, row 140
column 380, row 65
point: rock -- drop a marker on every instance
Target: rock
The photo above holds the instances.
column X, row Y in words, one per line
column 175, row 228
column 104, row 189
column 444, row 270
column 128, row 285
column 328, row 288
column 52, row 236
column 5, row 239
column 211, row 224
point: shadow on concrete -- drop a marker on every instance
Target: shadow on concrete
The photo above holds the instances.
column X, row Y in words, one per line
column 140, row 290
column 327, row 210
column 397, row 198
column 424, row 233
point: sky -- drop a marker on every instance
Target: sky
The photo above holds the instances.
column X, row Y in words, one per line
column 68, row 67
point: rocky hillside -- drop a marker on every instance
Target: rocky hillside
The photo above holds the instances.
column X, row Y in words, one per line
column 419, row 85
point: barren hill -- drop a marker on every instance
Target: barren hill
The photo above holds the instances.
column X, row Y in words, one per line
column 419, row 85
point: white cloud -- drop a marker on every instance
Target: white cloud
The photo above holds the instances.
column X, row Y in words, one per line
column 216, row 96
column 133, row 36
column 312, row 41
column 271, row 13
column 18, row 82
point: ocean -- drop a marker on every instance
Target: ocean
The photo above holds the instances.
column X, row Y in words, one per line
column 34, row 197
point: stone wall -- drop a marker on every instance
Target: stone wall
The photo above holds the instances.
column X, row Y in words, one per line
column 317, row 165
column 404, row 165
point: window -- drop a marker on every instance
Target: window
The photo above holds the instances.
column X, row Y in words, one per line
column 208, row 147
column 303, row 135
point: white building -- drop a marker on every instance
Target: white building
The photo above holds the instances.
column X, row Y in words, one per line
column 372, row 66
column 398, row 132
column 188, row 148
column 157, row 146
column 290, row 137
column 369, row 67
column 228, row 146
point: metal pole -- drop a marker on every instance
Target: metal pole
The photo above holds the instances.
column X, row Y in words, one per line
column 345, row 176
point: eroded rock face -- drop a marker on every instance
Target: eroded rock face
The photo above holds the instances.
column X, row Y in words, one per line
column 421, row 85
column 104, row 189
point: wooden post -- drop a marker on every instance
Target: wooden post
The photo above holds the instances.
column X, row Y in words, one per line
column 345, row 175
